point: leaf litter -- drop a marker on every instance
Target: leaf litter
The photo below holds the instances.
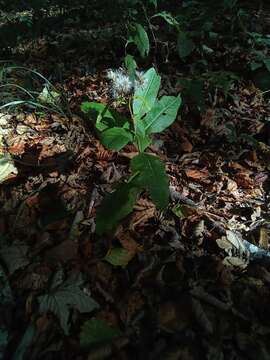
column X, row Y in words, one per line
column 198, row 272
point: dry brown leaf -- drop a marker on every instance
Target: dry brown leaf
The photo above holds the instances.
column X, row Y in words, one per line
column 264, row 238
column 231, row 185
column 235, row 261
column 236, row 166
column 244, row 181
column 144, row 210
column 127, row 241
column 175, row 315
column 51, row 150
column 185, row 144
column 33, row 200
column 198, row 175
column 133, row 305
column 42, row 323
column 208, row 120
column 17, row 149
column 63, row 252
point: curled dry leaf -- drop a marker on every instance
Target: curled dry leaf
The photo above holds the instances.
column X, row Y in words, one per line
column 235, row 261
column 243, row 180
column 200, row 175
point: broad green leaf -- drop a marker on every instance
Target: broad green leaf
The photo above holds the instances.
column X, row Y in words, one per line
column 142, row 142
column 131, row 66
column 152, row 177
column 99, row 113
column 94, row 108
column 141, row 139
column 146, row 94
column 105, row 118
column 162, row 114
column 7, row 168
column 167, row 17
column 64, row 296
column 115, row 138
column 185, row 45
column 14, row 256
column 118, row 257
column 115, row 207
column 139, row 37
column 97, row 332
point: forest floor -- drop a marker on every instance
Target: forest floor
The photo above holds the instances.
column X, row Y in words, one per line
column 186, row 285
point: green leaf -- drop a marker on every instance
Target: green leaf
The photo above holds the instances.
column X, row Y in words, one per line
column 115, row 207
column 99, row 113
column 162, row 114
column 115, row 138
column 97, row 332
column 145, row 95
column 152, row 177
column 142, row 141
column 185, row 45
column 105, row 118
column 7, row 169
column 131, row 66
column 95, row 108
column 14, row 256
column 118, row 257
column 66, row 295
column 167, row 17
column 139, row 37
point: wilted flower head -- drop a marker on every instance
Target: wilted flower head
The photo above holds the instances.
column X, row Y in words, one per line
column 121, row 84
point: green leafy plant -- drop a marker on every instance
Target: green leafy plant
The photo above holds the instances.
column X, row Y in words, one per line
column 138, row 36
column 149, row 115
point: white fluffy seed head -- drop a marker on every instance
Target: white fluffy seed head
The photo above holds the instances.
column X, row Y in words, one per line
column 121, row 84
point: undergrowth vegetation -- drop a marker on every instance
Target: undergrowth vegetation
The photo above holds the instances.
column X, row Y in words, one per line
column 110, row 93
